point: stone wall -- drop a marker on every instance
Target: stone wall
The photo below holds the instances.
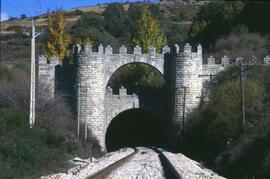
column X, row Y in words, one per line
column 117, row 103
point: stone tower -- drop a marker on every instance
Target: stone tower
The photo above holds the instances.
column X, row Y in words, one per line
column 46, row 75
column 91, row 90
column 187, row 84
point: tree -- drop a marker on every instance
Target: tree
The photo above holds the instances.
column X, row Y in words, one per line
column 23, row 16
column 213, row 20
column 57, row 40
column 149, row 32
column 116, row 20
column 89, row 29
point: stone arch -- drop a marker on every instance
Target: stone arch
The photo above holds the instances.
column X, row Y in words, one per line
column 117, row 62
column 123, row 101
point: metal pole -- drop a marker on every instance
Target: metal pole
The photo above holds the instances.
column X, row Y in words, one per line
column 85, row 131
column 184, row 110
column 242, row 89
column 211, row 84
column 85, row 126
column 32, row 83
column 78, row 112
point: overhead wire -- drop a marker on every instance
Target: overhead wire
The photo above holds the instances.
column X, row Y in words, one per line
column 21, row 7
column 14, row 7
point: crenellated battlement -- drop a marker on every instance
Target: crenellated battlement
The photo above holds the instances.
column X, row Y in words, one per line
column 108, row 50
column 121, row 92
column 225, row 61
column 42, row 60
column 187, row 50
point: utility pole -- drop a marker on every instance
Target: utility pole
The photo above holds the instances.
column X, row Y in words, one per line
column 33, row 74
column 184, row 109
column 242, row 89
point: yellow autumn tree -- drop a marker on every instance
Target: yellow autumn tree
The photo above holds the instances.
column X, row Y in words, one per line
column 149, row 32
column 57, row 39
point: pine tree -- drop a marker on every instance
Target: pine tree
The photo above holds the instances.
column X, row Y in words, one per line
column 149, row 32
column 57, row 40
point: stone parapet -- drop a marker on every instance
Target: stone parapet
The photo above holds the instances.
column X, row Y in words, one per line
column 117, row 103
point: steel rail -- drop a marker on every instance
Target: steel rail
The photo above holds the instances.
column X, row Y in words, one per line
column 104, row 173
column 169, row 170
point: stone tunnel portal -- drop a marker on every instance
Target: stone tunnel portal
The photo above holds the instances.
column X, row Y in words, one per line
column 132, row 117
column 135, row 127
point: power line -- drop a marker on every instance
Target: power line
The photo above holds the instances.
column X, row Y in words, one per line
column 14, row 7
column 22, row 7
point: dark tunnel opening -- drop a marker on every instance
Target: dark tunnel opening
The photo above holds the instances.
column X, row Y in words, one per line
column 134, row 128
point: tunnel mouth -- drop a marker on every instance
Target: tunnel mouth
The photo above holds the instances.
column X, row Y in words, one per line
column 134, row 128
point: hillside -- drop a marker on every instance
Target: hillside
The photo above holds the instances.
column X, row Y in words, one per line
column 167, row 8
column 15, row 46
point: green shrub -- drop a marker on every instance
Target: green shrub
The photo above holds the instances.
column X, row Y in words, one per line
column 26, row 152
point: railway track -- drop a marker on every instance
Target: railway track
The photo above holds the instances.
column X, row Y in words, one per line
column 104, row 173
column 168, row 169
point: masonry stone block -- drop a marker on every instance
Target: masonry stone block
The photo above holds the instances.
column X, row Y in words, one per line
column 77, row 48
column 123, row 50
column 225, row 61
column 88, row 49
column 176, row 48
column 108, row 50
column 166, row 49
column 267, row 60
column 187, row 48
column 122, row 91
column 199, row 49
column 238, row 60
column 100, row 49
column 152, row 52
column 137, row 50
column 53, row 60
column 109, row 91
column 42, row 59
column 211, row 60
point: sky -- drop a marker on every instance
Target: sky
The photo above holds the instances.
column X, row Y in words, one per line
column 14, row 8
